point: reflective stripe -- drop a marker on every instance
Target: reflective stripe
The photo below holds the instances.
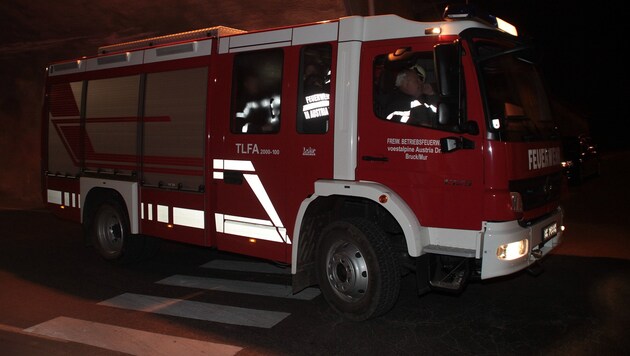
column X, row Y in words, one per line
column 270, row 230
column 218, row 222
column 404, row 115
column 54, row 196
column 248, row 220
column 315, row 105
column 162, row 211
column 66, row 199
column 250, row 227
column 234, row 165
column 261, row 232
column 188, row 217
column 261, row 194
column 181, row 216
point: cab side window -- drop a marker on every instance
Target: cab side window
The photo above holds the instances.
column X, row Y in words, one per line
column 405, row 89
column 256, row 92
column 313, row 109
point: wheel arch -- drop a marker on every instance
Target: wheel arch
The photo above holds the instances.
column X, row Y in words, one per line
column 95, row 191
column 338, row 199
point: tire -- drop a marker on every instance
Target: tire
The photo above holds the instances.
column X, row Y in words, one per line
column 111, row 235
column 356, row 269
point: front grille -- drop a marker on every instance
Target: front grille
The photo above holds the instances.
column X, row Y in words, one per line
column 538, row 191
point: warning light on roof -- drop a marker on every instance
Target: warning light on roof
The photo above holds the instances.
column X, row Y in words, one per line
column 471, row 12
column 507, row 27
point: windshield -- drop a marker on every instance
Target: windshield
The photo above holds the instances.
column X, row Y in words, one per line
column 516, row 102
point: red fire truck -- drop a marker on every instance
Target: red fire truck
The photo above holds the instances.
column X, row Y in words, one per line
column 354, row 150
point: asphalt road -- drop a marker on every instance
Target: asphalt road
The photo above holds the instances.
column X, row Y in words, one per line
column 57, row 297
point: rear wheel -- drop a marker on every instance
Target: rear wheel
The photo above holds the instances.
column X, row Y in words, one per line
column 111, row 235
column 357, row 271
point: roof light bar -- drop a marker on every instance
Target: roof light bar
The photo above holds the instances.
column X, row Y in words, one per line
column 470, row 12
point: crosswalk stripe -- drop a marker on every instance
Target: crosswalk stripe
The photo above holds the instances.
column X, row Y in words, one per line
column 197, row 310
column 235, row 286
column 245, row 266
column 131, row 341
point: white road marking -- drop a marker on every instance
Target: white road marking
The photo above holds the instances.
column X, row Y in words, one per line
column 244, row 266
column 235, row 286
column 197, row 310
column 131, row 341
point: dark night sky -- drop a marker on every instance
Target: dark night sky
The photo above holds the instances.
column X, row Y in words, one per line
column 582, row 58
column 581, row 47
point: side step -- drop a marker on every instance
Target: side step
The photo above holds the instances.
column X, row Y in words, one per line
column 442, row 273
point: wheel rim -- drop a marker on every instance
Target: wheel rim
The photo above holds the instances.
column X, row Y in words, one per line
column 109, row 232
column 347, row 271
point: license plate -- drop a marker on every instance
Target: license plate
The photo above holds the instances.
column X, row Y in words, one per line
column 550, row 231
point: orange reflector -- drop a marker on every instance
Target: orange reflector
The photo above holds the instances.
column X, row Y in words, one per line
column 383, row 199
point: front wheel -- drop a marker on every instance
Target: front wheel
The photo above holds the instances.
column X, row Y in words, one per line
column 356, row 268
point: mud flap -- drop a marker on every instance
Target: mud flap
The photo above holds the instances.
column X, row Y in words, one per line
column 422, row 274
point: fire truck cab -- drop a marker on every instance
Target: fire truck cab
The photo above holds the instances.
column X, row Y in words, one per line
column 354, row 150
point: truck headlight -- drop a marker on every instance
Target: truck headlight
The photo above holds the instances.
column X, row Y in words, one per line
column 513, row 250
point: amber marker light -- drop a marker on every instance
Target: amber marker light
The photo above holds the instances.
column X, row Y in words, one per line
column 383, row 198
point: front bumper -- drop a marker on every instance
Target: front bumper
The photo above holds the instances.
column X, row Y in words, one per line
column 498, row 234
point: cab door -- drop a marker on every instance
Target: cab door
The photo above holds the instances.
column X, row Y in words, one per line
column 404, row 153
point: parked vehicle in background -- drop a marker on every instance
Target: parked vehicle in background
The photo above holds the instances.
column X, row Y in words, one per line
column 581, row 158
